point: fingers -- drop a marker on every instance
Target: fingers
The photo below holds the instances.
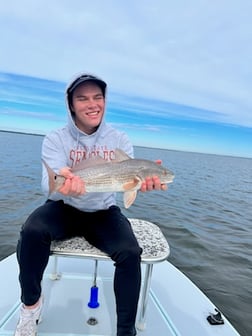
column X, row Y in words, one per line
column 149, row 184
column 153, row 183
column 73, row 186
column 164, row 186
column 66, row 172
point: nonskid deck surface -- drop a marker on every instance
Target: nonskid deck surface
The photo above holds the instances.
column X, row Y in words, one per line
column 66, row 310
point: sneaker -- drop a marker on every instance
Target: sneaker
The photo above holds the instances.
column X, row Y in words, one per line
column 28, row 320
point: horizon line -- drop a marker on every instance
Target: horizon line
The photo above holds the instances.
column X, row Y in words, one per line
column 140, row 146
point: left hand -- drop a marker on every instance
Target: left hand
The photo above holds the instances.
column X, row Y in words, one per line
column 153, row 183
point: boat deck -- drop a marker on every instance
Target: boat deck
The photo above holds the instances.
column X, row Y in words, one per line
column 175, row 307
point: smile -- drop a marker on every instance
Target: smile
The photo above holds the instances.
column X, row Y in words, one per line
column 93, row 113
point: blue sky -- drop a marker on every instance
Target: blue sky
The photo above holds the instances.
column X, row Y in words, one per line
column 179, row 72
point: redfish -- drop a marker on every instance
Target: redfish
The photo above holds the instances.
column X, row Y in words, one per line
column 123, row 174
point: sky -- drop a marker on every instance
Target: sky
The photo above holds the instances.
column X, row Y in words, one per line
column 179, row 72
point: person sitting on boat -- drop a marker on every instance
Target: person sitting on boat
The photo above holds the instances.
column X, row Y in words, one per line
column 72, row 212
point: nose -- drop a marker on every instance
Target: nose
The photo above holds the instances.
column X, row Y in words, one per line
column 91, row 103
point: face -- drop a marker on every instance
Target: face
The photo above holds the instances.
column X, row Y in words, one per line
column 88, row 106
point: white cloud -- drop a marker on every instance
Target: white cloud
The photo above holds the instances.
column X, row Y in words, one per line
column 196, row 53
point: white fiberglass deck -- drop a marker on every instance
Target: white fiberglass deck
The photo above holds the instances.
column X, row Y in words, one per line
column 175, row 307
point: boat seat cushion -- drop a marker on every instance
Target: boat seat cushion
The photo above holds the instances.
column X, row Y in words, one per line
column 149, row 236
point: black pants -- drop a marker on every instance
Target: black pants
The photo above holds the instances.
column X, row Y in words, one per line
column 109, row 230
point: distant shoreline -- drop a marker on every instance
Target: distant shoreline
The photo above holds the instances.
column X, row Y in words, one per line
column 20, row 132
column 173, row 150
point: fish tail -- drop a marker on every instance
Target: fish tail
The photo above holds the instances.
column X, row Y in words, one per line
column 51, row 178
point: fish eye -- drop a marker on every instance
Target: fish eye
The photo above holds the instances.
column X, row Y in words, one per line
column 55, row 177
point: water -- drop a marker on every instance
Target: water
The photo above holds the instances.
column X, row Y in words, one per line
column 205, row 215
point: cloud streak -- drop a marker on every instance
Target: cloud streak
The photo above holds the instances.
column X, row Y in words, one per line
column 188, row 60
column 194, row 53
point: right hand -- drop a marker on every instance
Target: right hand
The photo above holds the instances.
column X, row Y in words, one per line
column 73, row 186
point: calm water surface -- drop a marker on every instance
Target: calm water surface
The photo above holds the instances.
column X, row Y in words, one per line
column 205, row 215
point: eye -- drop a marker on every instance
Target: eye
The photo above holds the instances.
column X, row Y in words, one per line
column 82, row 98
column 99, row 97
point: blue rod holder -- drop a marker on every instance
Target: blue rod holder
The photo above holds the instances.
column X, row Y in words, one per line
column 93, row 302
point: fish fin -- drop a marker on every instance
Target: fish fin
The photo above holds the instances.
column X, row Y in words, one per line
column 129, row 198
column 51, row 178
column 134, row 184
column 129, row 194
column 94, row 161
column 120, row 155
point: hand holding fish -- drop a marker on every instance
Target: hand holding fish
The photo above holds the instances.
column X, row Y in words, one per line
column 153, row 183
column 73, row 185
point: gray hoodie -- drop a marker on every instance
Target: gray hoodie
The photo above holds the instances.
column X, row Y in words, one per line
column 69, row 145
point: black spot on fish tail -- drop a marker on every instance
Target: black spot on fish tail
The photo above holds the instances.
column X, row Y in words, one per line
column 52, row 177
